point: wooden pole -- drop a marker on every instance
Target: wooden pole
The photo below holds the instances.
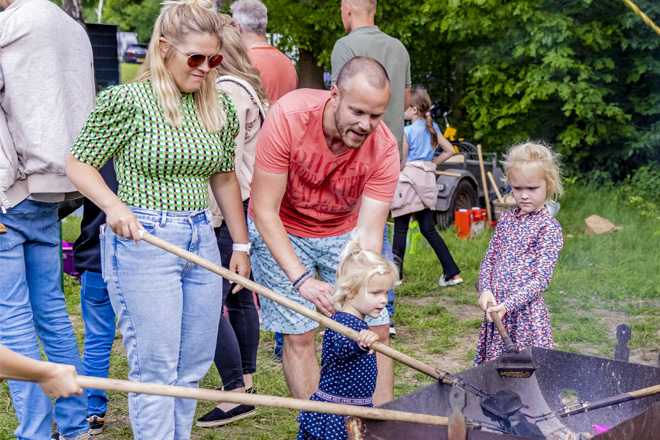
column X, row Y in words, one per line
column 296, row 307
column 447, row 173
column 126, row 386
column 497, row 190
column 483, row 182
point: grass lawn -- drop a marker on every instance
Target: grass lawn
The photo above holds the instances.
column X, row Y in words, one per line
column 600, row 282
column 129, row 71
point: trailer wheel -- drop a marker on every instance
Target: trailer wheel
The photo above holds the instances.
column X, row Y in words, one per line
column 465, row 197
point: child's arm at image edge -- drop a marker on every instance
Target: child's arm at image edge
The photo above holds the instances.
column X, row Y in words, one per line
column 56, row 380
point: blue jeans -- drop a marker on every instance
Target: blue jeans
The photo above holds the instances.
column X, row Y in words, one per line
column 32, row 305
column 387, row 253
column 167, row 311
column 99, row 334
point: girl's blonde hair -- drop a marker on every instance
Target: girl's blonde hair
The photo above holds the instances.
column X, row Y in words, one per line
column 421, row 100
column 236, row 61
column 357, row 267
column 178, row 19
column 529, row 158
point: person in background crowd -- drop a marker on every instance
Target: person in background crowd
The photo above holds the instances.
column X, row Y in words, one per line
column 238, row 336
column 365, row 39
column 95, row 305
column 170, row 133
column 276, row 69
column 46, row 93
column 324, row 166
column 417, row 191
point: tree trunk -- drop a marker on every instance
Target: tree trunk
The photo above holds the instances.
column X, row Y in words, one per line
column 310, row 74
column 75, row 10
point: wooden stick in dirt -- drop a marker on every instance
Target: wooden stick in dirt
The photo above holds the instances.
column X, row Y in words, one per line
column 127, row 386
column 446, row 173
column 483, row 182
column 497, row 190
column 296, row 307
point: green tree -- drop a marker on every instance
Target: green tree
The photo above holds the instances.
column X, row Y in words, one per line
column 582, row 74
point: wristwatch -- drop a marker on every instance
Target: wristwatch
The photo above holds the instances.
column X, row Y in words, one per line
column 242, row 247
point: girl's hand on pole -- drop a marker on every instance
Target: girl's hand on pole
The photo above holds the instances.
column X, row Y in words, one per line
column 499, row 309
column 366, row 338
column 485, row 298
column 123, row 222
column 240, row 264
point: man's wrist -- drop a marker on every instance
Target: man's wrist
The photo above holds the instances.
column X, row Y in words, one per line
column 297, row 284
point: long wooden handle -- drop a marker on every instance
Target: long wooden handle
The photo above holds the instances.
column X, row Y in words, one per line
column 497, row 190
column 252, row 399
column 3, row 229
column 510, row 346
column 447, row 173
column 296, row 307
column 483, row 182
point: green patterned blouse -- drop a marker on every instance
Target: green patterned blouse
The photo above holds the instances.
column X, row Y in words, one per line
column 158, row 166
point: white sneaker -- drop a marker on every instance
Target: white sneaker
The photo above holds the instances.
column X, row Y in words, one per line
column 456, row 279
column 392, row 329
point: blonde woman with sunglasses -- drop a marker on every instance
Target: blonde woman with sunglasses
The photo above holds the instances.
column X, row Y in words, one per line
column 170, row 133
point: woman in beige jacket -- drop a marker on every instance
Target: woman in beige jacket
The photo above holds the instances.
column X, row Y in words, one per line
column 238, row 336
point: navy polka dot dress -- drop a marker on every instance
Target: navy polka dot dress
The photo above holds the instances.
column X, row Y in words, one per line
column 348, row 375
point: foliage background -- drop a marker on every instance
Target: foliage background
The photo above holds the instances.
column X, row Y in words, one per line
column 583, row 75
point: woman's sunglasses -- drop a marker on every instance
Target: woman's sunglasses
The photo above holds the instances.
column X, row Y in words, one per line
column 196, row 60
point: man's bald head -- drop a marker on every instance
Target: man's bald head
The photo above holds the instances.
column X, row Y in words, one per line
column 363, row 6
column 374, row 72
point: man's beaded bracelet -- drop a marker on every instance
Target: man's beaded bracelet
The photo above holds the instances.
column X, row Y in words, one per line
column 299, row 282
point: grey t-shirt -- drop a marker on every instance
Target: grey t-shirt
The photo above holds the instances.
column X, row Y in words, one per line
column 369, row 41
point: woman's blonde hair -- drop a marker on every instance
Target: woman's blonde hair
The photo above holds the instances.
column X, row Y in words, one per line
column 178, row 19
column 357, row 267
column 235, row 61
column 532, row 157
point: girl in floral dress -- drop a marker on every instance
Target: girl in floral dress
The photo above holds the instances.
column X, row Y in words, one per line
column 348, row 368
column 522, row 255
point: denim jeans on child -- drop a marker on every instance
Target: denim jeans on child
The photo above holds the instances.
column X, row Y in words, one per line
column 32, row 305
column 167, row 311
column 99, row 334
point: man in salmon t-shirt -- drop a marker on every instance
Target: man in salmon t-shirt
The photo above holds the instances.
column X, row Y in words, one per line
column 276, row 69
column 325, row 165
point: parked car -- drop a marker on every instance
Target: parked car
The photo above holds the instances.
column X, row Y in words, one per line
column 135, row 53
column 462, row 187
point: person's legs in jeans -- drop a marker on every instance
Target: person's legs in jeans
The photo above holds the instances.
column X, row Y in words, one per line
column 32, row 301
column 99, row 321
column 401, row 224
column 427, row 228
column 168, row 311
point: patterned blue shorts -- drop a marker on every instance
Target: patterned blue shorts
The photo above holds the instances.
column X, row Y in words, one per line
column 319, row 256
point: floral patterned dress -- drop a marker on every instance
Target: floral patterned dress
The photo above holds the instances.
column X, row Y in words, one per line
column 517, row 269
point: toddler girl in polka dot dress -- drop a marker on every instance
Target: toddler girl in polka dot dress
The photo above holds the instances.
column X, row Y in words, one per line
column 522, row 255
column 348, row 368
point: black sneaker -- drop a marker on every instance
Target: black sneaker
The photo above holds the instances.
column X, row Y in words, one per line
column 392, row 329
column 218, row 417
column 96, row 422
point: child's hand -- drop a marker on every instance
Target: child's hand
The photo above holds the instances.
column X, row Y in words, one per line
column 499, row 309
column 485, row 298
column 366, row 338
